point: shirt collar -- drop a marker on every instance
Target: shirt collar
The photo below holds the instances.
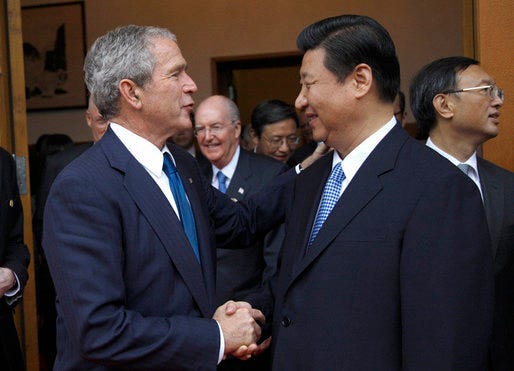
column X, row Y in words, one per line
column 230, row 168
column 354, row 160
column 146, row 153
column 471, row 161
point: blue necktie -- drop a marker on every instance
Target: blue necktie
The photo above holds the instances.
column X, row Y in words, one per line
column 329, row 198
column 222, row 179
column 184, row 209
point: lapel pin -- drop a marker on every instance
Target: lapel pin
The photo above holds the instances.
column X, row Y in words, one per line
column 241, row 190
column 11, row 203
column 234, row 199
column 190, row 181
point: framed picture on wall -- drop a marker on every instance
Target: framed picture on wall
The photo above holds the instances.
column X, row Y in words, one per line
column 54, row 48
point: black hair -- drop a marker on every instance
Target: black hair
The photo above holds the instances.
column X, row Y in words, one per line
column 434, row 78
column 270, row 112
column 349, row 40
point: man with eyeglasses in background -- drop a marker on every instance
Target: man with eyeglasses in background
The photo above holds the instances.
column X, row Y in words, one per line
column 456, row 105
column 274, row 129
column 238, row 173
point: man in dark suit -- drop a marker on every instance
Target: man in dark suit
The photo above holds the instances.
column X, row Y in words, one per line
column 14, row 260
column 238, row 173
column 56, row 162
column 131, row 225
column 218, row 127
column 53, row 165
column 386, row 262
column 456, row 104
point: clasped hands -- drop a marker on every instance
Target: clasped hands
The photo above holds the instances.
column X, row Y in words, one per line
column 7, row 280
column 241, row 330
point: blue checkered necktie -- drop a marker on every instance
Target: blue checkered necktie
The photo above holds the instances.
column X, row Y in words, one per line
column 184, row 209
column 222, row 182
column 329, row 198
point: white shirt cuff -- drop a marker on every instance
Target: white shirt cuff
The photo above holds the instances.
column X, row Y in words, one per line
column 222, row 344
column 16, row 288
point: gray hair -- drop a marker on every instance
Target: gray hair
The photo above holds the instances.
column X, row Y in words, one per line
column 123, row 53
column 233, row 111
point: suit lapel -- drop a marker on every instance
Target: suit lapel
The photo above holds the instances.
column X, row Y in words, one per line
column 494, row 194
column 239, row 185
column 362, row 189
column 160, row 215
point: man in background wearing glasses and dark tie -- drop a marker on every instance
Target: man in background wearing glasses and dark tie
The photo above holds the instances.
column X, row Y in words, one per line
column 237, row 173
column 456, row 105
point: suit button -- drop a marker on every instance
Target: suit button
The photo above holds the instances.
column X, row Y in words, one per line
column 286, row 321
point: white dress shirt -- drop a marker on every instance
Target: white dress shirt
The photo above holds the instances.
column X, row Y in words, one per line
column 228, row 170
column 354, row 160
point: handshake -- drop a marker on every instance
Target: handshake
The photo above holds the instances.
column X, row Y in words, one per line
column 239, row 323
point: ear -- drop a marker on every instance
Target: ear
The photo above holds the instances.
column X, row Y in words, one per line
column 362, row 79
column 89, row 119
column 131, row 93
column 443, row 106
column 238, row 129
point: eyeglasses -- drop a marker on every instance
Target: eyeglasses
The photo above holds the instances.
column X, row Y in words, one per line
column 276, row 142
column 493, row 90
column 214, row 129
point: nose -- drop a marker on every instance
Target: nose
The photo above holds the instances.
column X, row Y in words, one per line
column 300, row 101
column 189, row 85
column 208, row 134
column 284, row 147
column 497, row 102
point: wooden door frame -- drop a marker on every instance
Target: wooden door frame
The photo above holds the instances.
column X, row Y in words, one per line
column 13, row 137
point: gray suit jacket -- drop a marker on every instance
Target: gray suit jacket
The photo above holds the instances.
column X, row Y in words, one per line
column 498, row 190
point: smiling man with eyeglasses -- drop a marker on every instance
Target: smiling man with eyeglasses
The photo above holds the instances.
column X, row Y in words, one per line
column 456, row 104
column 274, row 129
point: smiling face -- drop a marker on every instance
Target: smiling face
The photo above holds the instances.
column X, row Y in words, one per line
column 323, row 99
column 166, row 100
column 217, row 134
column 475, row 113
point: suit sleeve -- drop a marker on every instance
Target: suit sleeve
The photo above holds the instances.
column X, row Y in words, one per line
column 446, row 280
column 83, row 242
column 16, row 254
column 242, row 223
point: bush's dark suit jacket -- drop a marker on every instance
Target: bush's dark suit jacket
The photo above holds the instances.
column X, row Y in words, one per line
column 399, row 276
column 13, row 255
column 130, row 291
column 498, row 189
column 240, row 271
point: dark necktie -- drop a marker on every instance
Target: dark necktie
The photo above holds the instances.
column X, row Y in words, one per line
column 184, row 208
column 329, row 198
column 222, row 181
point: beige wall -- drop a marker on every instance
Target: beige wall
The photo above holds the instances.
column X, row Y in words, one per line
column 422, row 30
column 495, row 51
